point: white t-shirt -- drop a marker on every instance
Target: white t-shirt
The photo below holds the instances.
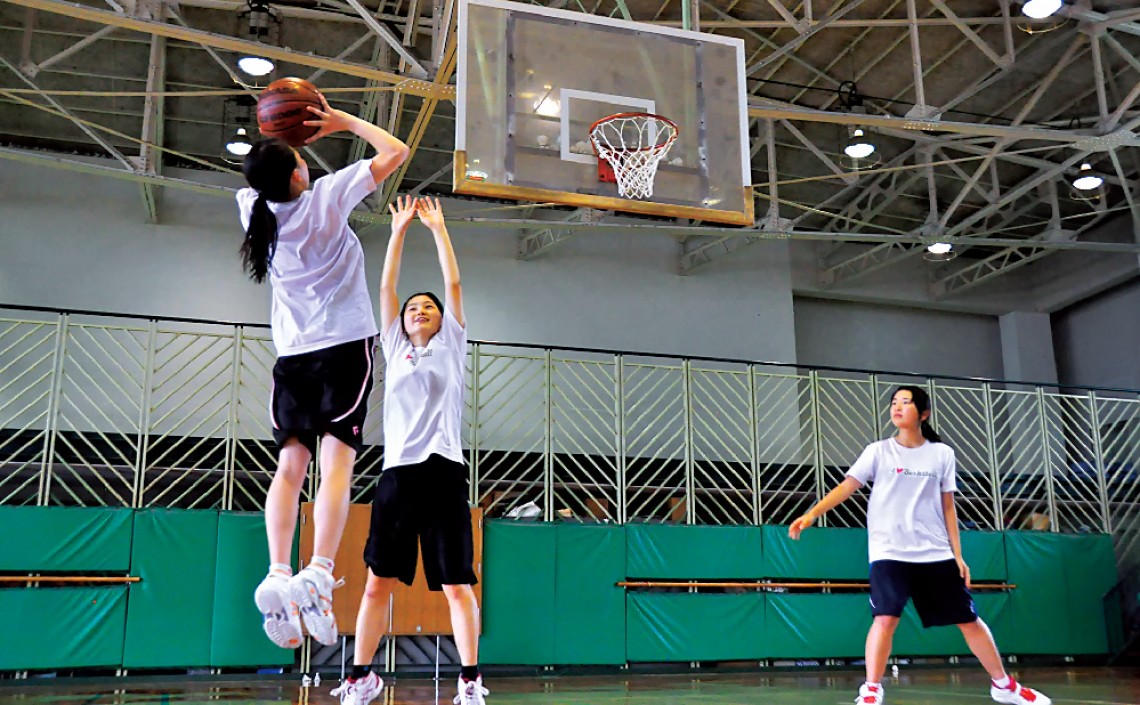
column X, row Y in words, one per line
column 423, row 394
column 320, row 295
column 905, row 521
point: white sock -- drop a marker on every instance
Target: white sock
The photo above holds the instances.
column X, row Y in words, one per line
column 1003, row 683
column 874, row 685
column 282, row 568
column 324, row 563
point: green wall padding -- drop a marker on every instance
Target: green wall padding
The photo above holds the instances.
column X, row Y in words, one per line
column 984, row 552
column 820, row 553
column 65, row 539
column 1090, row 572
column 589, row 608
column 809, row 625
column 694, row 626
column 1061, row 579
column 683, row 552
column 236, row 637
column 62, row 627
column 170, row 612
column 518, row 593
column 912, row 640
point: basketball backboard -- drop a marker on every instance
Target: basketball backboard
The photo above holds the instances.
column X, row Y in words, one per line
column 532, row 81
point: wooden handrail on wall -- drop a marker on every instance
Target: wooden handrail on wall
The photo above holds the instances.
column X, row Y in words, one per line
column 68, row 579
column 760, row 584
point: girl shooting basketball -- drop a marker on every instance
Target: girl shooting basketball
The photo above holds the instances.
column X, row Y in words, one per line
column 323, row 330
column 422, row 494
column 915, row 550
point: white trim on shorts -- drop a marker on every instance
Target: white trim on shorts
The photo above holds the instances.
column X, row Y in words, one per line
column 368, row 353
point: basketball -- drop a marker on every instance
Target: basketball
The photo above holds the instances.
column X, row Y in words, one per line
column 283, row 108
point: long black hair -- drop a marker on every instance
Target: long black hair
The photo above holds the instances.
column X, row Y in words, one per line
column 404, row 308
column 921, row 401
column 268, row 168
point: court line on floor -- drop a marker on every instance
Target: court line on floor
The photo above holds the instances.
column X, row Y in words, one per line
column 986, row 697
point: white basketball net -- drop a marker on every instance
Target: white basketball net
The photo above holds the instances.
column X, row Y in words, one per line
column 633, row 144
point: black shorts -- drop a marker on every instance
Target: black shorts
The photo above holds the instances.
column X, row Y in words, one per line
column 324, row 391
column 424, row 503
column 938, row 590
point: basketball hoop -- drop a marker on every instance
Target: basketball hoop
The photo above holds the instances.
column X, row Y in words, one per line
column 629, row 146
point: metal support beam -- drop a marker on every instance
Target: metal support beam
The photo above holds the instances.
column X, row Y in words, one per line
column 1128, row 101
column 406, row 84
column 1008, row 260
column 992, row 55
column 75, row 48
column 348, row 51
column 533, row 242
column 690, row 15
column 789, row 18
column 1092, row 18
column 154, row 109
column 768, row 43
column 386, row 34
column 847, row 176
column 26, row 41
column 55, row 104
column 442, row 77
column 1034, row 52
column 1129, row 197
column 1042, row 88
column 374, row 104
column 916, row 60
column 1098, row 78
column 795, row 43
column 436, row 176
column 891, row 253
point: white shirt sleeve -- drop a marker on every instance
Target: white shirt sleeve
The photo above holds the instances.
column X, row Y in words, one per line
column 390, row 337
column 457, row 332
column 863, row 469
column 950, row 471
column 342, row 190
column 245, row 199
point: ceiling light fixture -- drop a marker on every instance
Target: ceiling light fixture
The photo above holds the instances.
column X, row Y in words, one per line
column 1040, row 9
column 239, row 143
column 1087, row 179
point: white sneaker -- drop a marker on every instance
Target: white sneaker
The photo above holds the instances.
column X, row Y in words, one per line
column 360, row 691
column 280, row 618
column 1017, row 694
column 870, row 695
column 471, row 692
column 311, row 589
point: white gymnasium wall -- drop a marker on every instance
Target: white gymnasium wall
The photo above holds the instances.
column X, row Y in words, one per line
column 1098, row 340
column 74, row 241
column 896, row 338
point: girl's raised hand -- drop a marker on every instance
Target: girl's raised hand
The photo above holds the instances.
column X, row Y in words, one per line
column 430, row 213
column 402, row 212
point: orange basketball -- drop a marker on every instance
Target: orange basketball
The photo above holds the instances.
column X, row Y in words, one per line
column 283, row 108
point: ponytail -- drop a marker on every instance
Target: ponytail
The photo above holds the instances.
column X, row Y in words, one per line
column 929, row 433
column 260, row 240
column 268, row 168
column 921, row 401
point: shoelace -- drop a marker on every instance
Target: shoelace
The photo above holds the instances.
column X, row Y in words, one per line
column 345, row 689
column 469, row 692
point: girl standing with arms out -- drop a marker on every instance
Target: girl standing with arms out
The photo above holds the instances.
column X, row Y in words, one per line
column 915, row 549
column 323, row 331
column 422, row 494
